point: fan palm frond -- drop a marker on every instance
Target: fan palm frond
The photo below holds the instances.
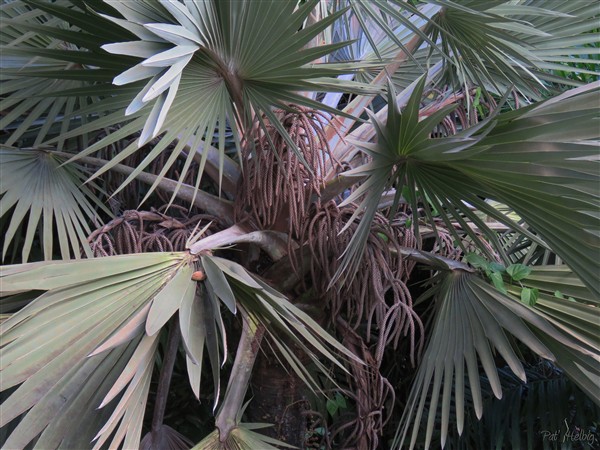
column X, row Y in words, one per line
column 30, row 38
column 494, row 45
column 275, row 312
column 563, row 298
column 472, row 321
column 548, row 404
column 37, row 185
column 112, row 310
column 102, row 305
column 204, row 72
column 536, row 159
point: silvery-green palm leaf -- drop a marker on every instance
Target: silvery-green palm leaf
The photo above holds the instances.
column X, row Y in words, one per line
column 541, row 161
column 495, row 45
column 566, row 35
column 99, row 350
column 563, row 298
column 182, row 70
column 31, row 38
column 111, row 313
column 525, row 414
column 393, row 41
column 37, row 189
column 473, row 321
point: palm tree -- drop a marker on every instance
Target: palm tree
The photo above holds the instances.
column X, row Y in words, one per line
column 377, row 217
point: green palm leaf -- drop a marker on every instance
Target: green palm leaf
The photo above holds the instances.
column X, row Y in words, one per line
column 98, row 303
column 37, row 185
column 561, row 282
column 127, row 417
column 112, row 309
column 203, row 71
column 472, row 319
column 571, row 36
column 274, row 310
column 536, row 159
column 495, row 45
column 52, row 70
column 501, row 44
column 527, row 412
column 563, row 299
column 477, row 38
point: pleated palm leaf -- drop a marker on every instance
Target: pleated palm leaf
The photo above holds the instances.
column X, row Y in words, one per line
column 535, row 159
column 35, row 183
column 511, row 422
column 204, row 71
column 112, row 309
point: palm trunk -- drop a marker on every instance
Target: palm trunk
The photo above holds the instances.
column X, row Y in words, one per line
column 278, row 397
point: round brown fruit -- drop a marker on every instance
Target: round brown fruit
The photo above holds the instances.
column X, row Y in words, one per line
column 199, row 275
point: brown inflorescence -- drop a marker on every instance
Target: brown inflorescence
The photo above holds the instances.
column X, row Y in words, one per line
column 278, row 187
column 377, row 296
column 145, row 231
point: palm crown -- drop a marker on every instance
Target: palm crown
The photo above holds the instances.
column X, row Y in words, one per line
column 398, row 199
